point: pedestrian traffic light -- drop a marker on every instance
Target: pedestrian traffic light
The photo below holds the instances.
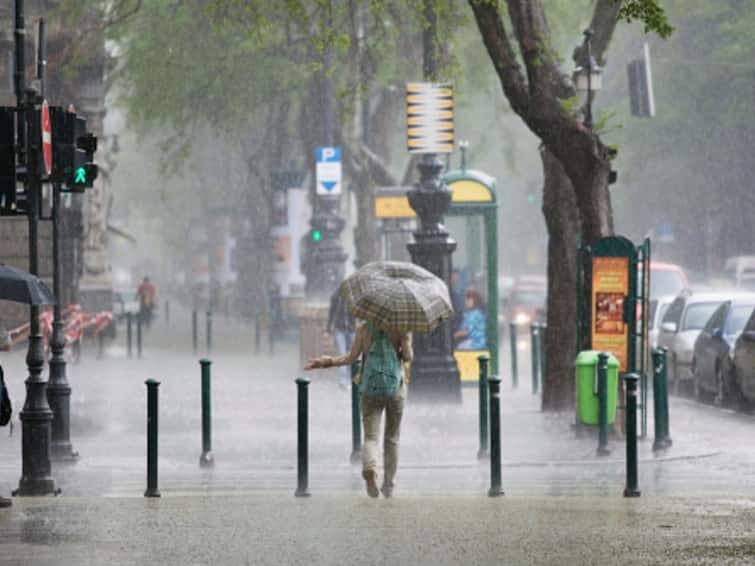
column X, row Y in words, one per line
column 73, row 150
column 7, row 161
column 85, row 170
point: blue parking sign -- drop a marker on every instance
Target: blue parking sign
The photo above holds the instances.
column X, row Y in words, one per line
column 328, row 170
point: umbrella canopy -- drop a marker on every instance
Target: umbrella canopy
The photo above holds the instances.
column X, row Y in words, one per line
column 397, row 296
column 23, row 287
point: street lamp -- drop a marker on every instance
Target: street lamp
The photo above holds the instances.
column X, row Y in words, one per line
column 588, row 76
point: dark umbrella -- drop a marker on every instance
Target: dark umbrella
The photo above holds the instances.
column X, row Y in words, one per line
column 23, row 287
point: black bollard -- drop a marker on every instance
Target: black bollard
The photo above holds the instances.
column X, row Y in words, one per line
column 631, row 489
column 194, row 331
column 206, row 460
column 534, row 356
column 514, row 368
column 129, row 333
column 542, row 330
column 139, row 335
column 209, row 332
column 483, row 451
column 603, row 405
column 152, row 394
column 662, row 439
column 495, row 437
column 302, row 463
column 356, row 422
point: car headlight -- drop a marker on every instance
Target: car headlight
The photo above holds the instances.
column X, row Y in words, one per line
column 522, row 318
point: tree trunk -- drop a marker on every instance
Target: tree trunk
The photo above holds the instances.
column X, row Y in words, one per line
column 562, row 220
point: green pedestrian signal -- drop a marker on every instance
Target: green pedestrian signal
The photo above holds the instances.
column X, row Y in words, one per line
column 81, row 176
column 316, row 235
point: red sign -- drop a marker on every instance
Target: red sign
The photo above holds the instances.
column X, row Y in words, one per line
column 46, row 138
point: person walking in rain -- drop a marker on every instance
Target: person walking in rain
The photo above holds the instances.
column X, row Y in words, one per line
column 146, row 293
column 394, row 299
column 382, row 380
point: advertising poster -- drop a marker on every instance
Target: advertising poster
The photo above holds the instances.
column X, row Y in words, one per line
column 610, row 285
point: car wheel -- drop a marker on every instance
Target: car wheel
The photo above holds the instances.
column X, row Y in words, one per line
column 738, row 399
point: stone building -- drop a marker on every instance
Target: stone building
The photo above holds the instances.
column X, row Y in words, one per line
column 75, row 76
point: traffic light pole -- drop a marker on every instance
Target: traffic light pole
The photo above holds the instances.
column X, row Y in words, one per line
column 326, row 257
column 59, row 390
column 36, row 416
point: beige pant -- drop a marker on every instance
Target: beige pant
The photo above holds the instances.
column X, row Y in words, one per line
column 372, row 411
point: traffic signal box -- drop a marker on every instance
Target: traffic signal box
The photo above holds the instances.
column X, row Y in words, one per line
column 73, row 151
column 7, row 161
column 73, row 157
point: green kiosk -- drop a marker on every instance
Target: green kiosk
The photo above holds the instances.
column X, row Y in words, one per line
column 473, row 223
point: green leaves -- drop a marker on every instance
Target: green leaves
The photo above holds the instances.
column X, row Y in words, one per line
column 650, row 13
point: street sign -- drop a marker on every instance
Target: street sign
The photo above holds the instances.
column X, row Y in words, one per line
column 328, row 170
column 430, row 117
column 46, row 138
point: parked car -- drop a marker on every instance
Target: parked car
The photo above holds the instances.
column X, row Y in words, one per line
column 666, row 279
column 684, row 319
column 656, row 311
column 527, row 300
column 740, row 271
column 711, row 359
column 743, row 363
column 125, row 301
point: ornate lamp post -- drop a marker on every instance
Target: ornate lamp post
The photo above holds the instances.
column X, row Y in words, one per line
column 435, row 374
column 588, row 77
column 434, row 370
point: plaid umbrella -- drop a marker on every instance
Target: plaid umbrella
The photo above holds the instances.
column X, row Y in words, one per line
column 397, row 296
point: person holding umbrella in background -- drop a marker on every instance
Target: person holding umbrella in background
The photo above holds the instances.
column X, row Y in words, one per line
column 394, row 299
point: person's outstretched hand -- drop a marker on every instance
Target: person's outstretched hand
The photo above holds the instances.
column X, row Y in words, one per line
column 313, row 364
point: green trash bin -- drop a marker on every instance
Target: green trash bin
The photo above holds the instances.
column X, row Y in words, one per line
column 587, row 387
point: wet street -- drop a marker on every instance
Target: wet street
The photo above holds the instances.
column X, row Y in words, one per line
column 560, row 497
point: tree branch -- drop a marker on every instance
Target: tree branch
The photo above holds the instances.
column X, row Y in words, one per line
column 603, row 24
column 502, row 55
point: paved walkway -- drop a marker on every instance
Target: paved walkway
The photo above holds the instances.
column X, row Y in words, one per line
column 563, row 504
column 338, row 528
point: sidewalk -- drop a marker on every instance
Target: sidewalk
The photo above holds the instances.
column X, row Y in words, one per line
column 563, row 504
column 254, row 433
column 337, row 528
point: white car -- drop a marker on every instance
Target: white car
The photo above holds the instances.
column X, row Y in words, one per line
column 657, row 311
column 684, row 319
column 125, row 301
